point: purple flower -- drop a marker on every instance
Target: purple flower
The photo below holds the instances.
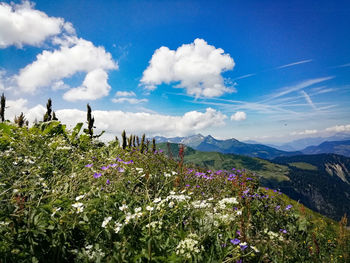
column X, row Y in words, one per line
column 120, row 169
column 283, row 231
column 277, row 207
column 188, row 185
column 104, row 168
column 197, row 186
column 233, row 169
column 108, row 182
column 243, row 247
column 160, row 151
column 128, row 162
column 223, row 245
column 239, row 261
column 238, row 232
column 89, row 165
column 249, row 179
column 288, row 207
column 114, row 165
column 97, row 175
column 246, row 191
column 235, row 241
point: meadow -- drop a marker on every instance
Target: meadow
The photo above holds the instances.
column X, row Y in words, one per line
column 67, row 197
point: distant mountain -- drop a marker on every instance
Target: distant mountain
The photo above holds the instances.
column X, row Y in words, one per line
column 320, row 182
column 337, row 147
column 300, row 144
column 210, row 144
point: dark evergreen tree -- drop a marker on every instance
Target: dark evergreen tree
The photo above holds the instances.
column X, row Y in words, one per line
column 48, row 116
column 130, row 141
column 134, row 141
column 2, row 107
column 138, row 141
column 147, row 145
column 54, row 118
column 124, row 139
column 116, row 141
column 153, row 145
column 20, row 120
column 143, row 143
column 90, row 121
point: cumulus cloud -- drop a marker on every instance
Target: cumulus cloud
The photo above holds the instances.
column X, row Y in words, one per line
column 129, row 100
column 197, row 67
column 239, row 116
column 339, row 128
column 20, row 24
column 15, row 107
column 52, row 66
column 125, row 94
column 149, row 123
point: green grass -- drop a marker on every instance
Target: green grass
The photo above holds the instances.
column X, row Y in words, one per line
column 305, row 166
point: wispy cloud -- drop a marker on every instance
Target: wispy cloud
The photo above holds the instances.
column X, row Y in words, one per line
column 295, row 63
column 308, row 99
column 129, row 100
column 342, row 66
column 297, row 87
column 245, row 76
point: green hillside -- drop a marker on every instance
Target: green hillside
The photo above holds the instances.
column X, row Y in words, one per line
column 66, row 197
column 318, row 181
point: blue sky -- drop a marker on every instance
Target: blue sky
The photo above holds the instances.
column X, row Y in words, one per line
column 262, row 70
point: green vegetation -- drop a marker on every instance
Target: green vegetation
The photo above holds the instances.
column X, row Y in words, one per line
column 69, row 198
column 305, row 166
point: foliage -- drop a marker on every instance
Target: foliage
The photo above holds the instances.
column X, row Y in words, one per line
column 68, row 198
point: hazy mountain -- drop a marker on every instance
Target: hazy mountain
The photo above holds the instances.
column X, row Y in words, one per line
column 338, row 147
column 301, row 144
column 321, row 182
column 210, row 144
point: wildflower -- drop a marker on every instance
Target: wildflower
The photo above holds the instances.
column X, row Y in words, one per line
column 239, row 212
column 138, row 209
column 235, row 241
column 106, row 221
column 243, row 245
column 171, row 204
column 149, row 208
column 79, row 197
column 89, row 165
column 117, row 227
column 121, row 170
column 55, row 211
column 157, row 200
column 123, row 207
column 97, row 175
column 288, row 207
column 108, row 182
column 104, row 168
column 283, row 231
column 79, row 207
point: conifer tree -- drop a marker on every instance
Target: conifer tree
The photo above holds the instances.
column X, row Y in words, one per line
column 138, row 141
column 153, row 145
column 124, row 139
column 134, row 141
column 2, row 107
column 90, row 121
column 147, row 145
column 48, row 116
column 116, row 141
column 143, row 143
column 20, row 120
column 54, row 118
column 130, row 141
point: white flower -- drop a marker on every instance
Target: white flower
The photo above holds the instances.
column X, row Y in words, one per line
column 157, row 200
column 174, row 172
column 171, row 204
column 79, row 197
column 117, row 227
column 255, row 249
column 149, row 208
column 79, row 207
column 106, row 221
column 172, row 193
column 167, row 174
column 138, row 209
column 123, row 207
column 239, row 212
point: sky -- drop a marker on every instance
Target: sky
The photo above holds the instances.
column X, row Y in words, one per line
column 269, row 71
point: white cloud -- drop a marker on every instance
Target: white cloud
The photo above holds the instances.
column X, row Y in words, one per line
column 197, row 67
column 129, row 100
column 83, row 56
column 15, row 107
column 339, row 128
column 20, row 24
column 148, row 123
column 95, row 86
column 295, row 63
column 125, row 94
column 305, row 132
column 239, row 116
column 60, row 85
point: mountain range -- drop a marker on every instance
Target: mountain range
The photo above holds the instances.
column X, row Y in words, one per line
column 254, row 149
column 210, row 144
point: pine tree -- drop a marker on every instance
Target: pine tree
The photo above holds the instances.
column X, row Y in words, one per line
column 130, row 141
column 54, row 118
column 90, row 121
column 48, row 116
column 153, row 145
column 138, row 141
column 2, row 107
column 124, row 139
column 143, row 143
column 116, row 141
column 20, row 120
